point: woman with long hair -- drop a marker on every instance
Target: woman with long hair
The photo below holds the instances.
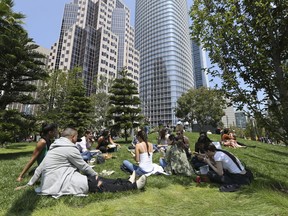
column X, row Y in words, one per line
column 143, row 156
column 48, row 132
column 175, row 160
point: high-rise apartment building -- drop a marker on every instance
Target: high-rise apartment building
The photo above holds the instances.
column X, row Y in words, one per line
column 88, row 41
column 166, row 70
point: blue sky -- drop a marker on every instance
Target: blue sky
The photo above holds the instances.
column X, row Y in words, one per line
column 43, row 18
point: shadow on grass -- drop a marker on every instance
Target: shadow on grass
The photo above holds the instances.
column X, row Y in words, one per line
column 19, row 146
column 274, row 151
column 265, row 160
column 12, row 156
column 24, row 205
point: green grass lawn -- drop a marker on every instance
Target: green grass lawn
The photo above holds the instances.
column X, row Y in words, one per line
column 163, row 195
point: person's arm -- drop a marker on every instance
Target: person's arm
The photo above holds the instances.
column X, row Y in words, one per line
column 111, row 140
column 76, row 159
column 137, row 153
column 39, row 147
column 217, row 166
column 34, row 178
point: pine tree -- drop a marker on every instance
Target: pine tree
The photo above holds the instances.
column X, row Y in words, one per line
column 124, row 101
column 19, row 61
column 77, row 109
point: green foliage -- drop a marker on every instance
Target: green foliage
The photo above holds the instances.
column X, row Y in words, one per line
column 64, row 101
column 248, row 41
column 100, row 103
column 52, row 95
column 15, row 126
column 77, row 109
column 203, row 105
column 19, row 61
column 125, row 103
column 175, row 195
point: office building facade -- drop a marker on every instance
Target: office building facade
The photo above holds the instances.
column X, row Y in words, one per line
column 88, row 41
column 199, row 66
column 166, row 70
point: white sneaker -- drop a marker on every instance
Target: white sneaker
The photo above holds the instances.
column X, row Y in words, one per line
column 141, row 182
column 132, row 178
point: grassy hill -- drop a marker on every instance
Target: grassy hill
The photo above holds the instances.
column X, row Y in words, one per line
column 164, row 195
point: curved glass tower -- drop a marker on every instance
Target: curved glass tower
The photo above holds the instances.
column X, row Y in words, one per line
column 162, row 38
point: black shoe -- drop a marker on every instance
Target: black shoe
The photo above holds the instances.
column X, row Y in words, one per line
column 229, row 188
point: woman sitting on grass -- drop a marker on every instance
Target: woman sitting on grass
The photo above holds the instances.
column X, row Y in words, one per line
column 175, row 160
column 48, row 132
column 143, row 156
column 106, row 143
column 228, row 140
column 226, row 169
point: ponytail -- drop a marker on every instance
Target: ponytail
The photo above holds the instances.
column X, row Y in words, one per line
column 143, row 136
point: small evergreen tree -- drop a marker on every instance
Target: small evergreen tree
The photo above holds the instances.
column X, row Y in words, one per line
column 124, row 101
column 77, row 110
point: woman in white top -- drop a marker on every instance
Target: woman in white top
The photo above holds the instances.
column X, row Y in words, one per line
column 143, row 156
column 226, row 168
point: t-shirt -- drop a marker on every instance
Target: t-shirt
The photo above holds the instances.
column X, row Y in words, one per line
column 228, row 163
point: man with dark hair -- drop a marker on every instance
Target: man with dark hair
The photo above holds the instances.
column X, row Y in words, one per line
column 60, row 172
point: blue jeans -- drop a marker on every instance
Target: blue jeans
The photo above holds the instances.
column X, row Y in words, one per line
column 133, row 167
column 162, row 162
column 86, row 156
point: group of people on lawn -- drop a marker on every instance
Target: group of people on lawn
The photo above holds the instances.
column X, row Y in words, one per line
column 65, row 170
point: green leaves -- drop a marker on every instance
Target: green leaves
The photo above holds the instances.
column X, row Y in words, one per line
column 124, row 101
column 248, row 41
column 203, row 105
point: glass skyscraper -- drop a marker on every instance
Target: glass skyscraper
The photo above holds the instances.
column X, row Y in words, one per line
column 166, row 70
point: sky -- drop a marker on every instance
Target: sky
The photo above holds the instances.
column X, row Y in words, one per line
column 44, row 17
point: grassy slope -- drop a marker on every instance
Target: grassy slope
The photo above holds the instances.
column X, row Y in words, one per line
column 164, row 195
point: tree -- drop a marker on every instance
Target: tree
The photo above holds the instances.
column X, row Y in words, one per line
column 15, row 126
column 124, row 101
column 203, row 105
column 52, row 95
column 77, row 110
column 248, row 41
column 19, row 61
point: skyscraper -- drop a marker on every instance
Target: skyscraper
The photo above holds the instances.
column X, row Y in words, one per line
column 128, row 56
column 199, row 64
column 87, row 40
column 166, row 70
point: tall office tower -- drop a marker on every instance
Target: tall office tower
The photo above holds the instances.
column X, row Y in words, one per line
column 199, row 63
column 166, row 70
column 87, row 41
column 128, row 56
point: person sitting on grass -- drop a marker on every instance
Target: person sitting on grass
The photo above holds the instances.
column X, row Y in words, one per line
column 175, row 160
column 48, row 132
column 228, row 140
column 226, row 169
column 143, row 156
column 84, row 145
column 162, row 140
column 60, row 172
column 106, row 143
column 199, row 153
